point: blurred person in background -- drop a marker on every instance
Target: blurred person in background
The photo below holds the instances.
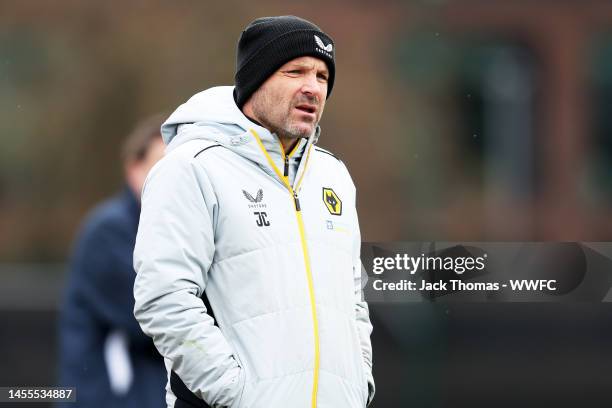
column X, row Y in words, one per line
column 247, row 255
column 103, row 352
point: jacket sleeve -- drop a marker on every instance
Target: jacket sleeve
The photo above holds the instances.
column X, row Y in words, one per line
column 173, row 253
column 364, row 326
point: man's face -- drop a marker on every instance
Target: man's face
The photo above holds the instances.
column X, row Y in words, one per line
column 291, row 101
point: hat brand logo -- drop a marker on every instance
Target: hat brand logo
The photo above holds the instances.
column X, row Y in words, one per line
column 322, row 48
column 329, row 47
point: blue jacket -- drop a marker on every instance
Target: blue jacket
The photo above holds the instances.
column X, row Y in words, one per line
column 98, row 303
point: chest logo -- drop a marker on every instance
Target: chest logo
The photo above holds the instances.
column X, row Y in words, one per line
column 256, row 199
column 332, row 201
column 262, row 219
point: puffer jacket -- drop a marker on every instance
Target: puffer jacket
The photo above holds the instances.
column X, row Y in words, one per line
column 248, row 269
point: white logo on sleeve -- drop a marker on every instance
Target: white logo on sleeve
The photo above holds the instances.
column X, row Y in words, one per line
column 329, row 47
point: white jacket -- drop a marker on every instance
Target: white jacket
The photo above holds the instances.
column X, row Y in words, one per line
column 276, row 257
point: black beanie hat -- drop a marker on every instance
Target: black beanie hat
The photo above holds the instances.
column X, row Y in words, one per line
column 269, row 42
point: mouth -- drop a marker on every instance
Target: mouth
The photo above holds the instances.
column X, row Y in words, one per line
column 307, row 108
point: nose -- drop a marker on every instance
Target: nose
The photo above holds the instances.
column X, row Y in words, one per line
column 313, row 87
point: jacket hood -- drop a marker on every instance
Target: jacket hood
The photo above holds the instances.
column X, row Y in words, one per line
column 213, row 115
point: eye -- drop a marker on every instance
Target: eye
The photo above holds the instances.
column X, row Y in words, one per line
column 323, row 77
column 293, row 71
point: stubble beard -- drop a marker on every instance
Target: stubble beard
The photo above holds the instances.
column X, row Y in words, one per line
column 283, row 126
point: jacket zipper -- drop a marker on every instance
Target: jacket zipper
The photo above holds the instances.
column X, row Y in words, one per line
column 297, row 202
column 286, row 172
column 302, row 231
column 287, row 156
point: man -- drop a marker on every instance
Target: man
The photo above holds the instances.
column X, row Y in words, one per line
column 247, row 216
column 103, row 352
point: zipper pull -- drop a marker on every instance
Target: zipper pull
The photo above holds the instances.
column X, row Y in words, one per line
column 297, row 202
column 286, row 172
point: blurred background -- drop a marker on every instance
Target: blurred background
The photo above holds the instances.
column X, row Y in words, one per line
column 459, row 120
